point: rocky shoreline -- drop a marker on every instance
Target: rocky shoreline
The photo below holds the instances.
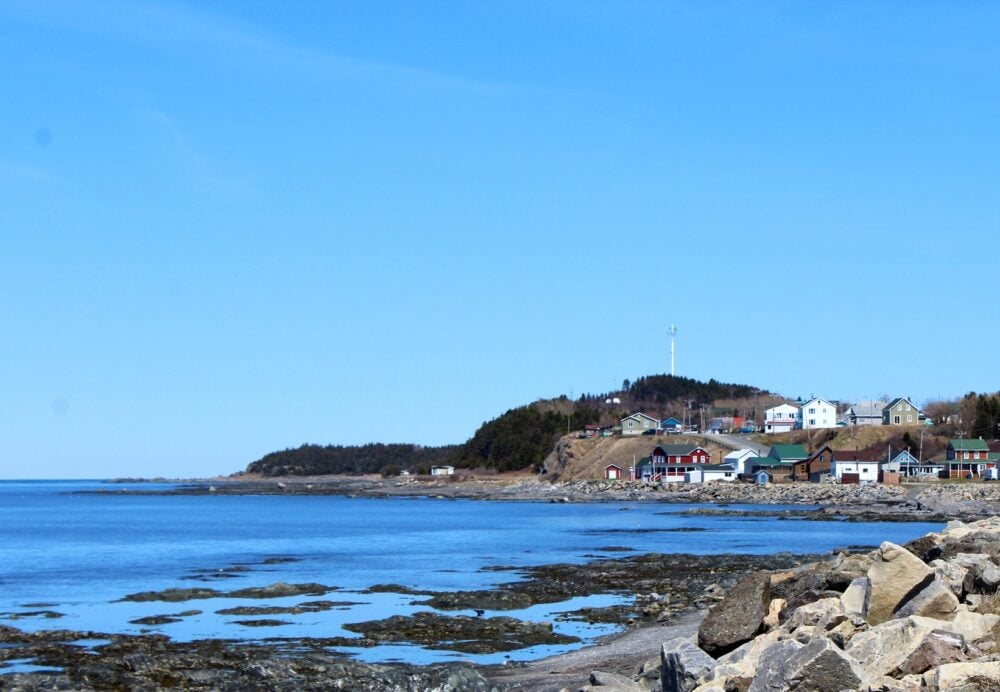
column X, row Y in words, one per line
column 931, row 501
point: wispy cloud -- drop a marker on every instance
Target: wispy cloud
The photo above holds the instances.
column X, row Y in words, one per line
column 202, row 168
column 174, row 23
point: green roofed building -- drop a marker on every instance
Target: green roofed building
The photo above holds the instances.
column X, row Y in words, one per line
column 788, row 453
column 968, row 458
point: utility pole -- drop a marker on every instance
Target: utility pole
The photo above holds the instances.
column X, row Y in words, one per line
column 673, row 351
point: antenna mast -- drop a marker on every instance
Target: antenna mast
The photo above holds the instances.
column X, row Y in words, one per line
column 673, row 350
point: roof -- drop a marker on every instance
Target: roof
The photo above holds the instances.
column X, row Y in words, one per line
column 789, row 404
column 973, row 445
column 819, row 398
column 789, row 452
column 856, row 461
column 678, row 450
column 717, row 467
column 671, row 421
column 740, row 454
column 895, row 402
column 644, row 415
column 868, row 409
column 769, row 462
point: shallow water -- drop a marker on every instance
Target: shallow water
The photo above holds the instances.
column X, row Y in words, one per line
column 77, row 554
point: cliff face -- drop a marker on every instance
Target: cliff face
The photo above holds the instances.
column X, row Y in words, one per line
column 585, row 459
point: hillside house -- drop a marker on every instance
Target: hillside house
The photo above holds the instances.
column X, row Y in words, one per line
column 818, row 413
column 900, row 411
column 781, row 418
column 671, row 425
column 638, row 423
column 865, row 413
column 613, row 472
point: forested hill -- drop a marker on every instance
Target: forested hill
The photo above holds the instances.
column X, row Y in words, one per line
column 662, row 389
column 315, row 460
column 521, row 437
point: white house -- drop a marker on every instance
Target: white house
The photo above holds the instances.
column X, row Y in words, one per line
column 638, row 423
column 856, row 471
column 442, row 470
column 781, row 418
column 738, row 458
column 818, row 413
column 708, row 474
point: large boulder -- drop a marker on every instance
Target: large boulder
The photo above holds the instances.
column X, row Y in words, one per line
column 936, row 600
column 682, row 664
column 896, row 575
column 882, row 650
column 738, row 617
column 819, row 665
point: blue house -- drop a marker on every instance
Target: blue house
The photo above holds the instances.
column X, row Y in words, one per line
column 670, row 424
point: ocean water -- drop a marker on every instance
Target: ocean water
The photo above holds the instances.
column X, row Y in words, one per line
column 78, row 553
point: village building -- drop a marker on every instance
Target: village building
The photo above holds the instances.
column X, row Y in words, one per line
column 910, row 467
column 738, row 458
column 781, row 418
column 865, row 413
column 854, row 471
column 670, row 463
column 638, row 423
column 900, row 411
column 613, row 472
column 818, row 413
column 442, row 470
column 968, row 458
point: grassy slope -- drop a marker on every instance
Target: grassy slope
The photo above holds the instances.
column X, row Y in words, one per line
column 586, row 459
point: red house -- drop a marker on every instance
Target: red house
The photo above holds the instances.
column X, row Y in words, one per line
column 671, row 462
column 613, row 472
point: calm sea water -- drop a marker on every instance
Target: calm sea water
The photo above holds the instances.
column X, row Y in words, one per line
column 77, row 554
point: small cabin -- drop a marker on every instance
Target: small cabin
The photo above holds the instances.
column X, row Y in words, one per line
column 613, row 472
column 442, row 470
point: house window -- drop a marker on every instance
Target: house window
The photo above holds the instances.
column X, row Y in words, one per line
column 909, row 418
column 812, row 421
column 812, row 410
column 631, row 423
column 896, row 419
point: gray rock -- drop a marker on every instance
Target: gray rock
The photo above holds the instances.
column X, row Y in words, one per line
column 613, row 681
column 737, row 617
column 771, row 673
column 817, row 666
column 683, row 664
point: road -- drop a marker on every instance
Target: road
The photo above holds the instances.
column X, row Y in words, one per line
column 740, row 442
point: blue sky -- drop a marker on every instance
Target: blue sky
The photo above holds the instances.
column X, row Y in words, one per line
column 233, row 227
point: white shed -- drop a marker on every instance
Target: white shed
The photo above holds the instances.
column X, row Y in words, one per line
column 442, row 470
